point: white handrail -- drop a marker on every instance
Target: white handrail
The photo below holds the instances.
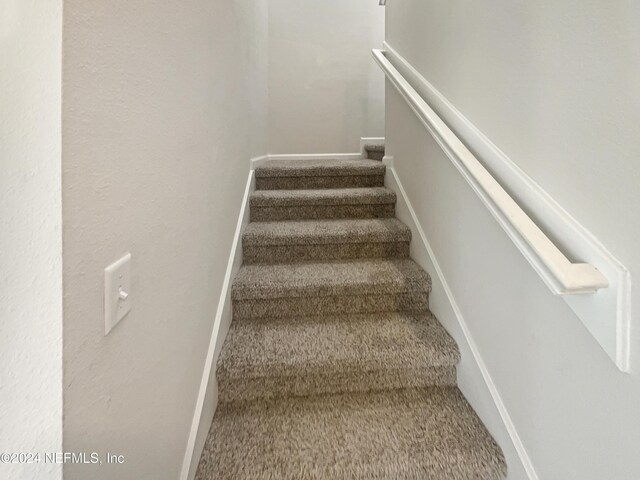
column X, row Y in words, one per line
column 561, row 276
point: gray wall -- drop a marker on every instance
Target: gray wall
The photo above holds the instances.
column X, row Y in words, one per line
column 324, row 89
column 30, row 235
column 164, row 104
column 555, row 85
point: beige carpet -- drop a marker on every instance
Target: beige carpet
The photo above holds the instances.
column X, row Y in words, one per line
column 334, row 368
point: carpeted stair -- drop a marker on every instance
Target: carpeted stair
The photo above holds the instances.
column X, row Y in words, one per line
column 333, row 367
column 374, row 152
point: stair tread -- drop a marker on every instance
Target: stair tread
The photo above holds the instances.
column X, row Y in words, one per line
column 315, row 168
column 322, row 232
column 308, row 390
column 335, row 344
column 400, row 434
column 355, row 277
column 337, row 196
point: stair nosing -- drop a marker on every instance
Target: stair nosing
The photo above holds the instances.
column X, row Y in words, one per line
column 329, row 197
column 320, row 168
column 419, row 281
column 266, row 234
column 438, row 351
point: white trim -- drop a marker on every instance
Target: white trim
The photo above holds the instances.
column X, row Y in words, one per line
column 207, row 400
column 407, row 215
column 606, row 314
column 257, row 161
column 370, row 142
column 561, row 275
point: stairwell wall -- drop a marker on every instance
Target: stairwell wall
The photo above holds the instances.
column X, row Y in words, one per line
column 555, row 86
column 164, row 104
column 30, row 235
column 325, row 92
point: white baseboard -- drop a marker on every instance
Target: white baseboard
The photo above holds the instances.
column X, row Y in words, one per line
column 421, row 252
column 257, row 161
column 481, row 395
column 207, row 400
column 208, row 394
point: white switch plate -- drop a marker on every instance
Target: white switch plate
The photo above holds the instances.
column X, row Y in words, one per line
column 117, row 292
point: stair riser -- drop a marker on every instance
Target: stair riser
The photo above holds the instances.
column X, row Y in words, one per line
column 330, row 305
column 306, row 183
column 232, row 390
column 375, row 155
column 321, row 212
column 341, row 251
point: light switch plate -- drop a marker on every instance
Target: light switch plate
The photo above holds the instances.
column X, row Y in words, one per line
column 117, row 292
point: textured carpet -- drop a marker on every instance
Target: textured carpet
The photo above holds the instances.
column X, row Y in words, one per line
column 333, row 367
column 314, row 174
column 332, row 354
column 421, row 434
column 326, row 232
column 374, row 152
column 333, row 203
column 286, row 242
column 380, row 276
column 320, row 168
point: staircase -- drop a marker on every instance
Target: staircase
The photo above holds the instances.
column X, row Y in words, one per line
column 333, row 367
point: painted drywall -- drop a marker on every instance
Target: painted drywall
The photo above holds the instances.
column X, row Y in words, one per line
column 164, row 104
column 472, row 377
column 324, row 90
column 30, row 238
column 555, row 86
